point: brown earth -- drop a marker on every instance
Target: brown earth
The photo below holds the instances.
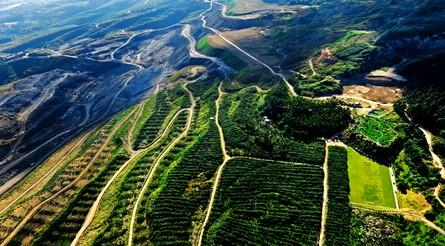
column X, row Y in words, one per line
column 381, row 94
column 247, row 6
column 253, row 41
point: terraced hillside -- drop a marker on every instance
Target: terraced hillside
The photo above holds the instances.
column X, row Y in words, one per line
column 222, row 122
column 162, row 192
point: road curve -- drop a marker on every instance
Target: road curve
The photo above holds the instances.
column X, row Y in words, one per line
column 220, row 168
column 46, row 175
column 437, row 161
column 311, row 66
column 219, row 34
column 31, row 213
column 135, row 155
column 158, row 162
column 236, row 17
column 195, row 54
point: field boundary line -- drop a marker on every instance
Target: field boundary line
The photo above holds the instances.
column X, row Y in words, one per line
column 33, row 211
column 324, row 210
column 277, row 161
column 69, row 152
column 226, row 158
column 159, row 159
column 135, row 157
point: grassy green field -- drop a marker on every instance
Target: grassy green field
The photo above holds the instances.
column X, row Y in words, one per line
column 370, row 182
column 203, row 46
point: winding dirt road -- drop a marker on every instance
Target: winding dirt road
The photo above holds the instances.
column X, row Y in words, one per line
column 411, row 215
column 159, row 160
column 31, row 213
column 49, row 172
column 195, row 54
column 135, row 155
column 236, row 17
column 311, row 65
column 219, row 34
column 129, row 40
column 127, row 43
column 226, row 158
column 437, row 162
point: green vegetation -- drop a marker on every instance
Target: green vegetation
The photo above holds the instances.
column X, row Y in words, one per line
column 349, row 52
column 303, row 118
column 370, row 182
column 373, row 228
column 380, row 135
column 167, row 104
column 116, row 227
column 339, row 211
column 173, row 205
column 275, row 204
column 248, row 133
column 335, row 61
column 147, row 111
column 72, row 177
column 319, row 85
column 203, row 46
column 426, row 106
column 379, row 130
column 229, row 59
column 64, row 229
column 202, row 88
column 271, row 190
column 413, row 166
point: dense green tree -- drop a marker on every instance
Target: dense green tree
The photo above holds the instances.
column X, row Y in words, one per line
column 304, row 118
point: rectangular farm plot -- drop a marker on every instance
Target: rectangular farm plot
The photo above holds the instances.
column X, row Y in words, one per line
column 339, row 211
column 266, row 203
column 369, row 181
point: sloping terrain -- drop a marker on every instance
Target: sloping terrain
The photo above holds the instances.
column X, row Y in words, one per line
column 206, row 122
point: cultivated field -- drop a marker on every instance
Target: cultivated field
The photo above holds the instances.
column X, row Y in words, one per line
column 339, row 210
column 377, row 129
column 247, row 133
column 275, row 204
column 370, row 182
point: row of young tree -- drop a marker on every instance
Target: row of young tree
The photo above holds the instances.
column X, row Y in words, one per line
column 266, row 203
column 248, row 133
